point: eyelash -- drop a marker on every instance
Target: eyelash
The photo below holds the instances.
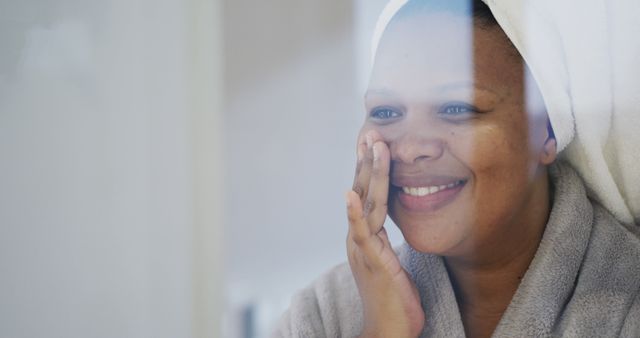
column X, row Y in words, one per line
column 389, row 113
column 459, row 109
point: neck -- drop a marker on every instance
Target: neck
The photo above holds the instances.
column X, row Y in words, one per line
column 486, row 280
column 489, row 287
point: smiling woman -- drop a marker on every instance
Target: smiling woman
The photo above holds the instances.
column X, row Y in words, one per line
column 502, row 237
column 446, row 124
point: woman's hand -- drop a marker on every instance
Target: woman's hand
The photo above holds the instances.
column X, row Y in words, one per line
column 390, row 299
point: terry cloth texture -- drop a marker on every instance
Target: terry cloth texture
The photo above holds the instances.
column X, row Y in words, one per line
column 584, row 281
column 584, row 57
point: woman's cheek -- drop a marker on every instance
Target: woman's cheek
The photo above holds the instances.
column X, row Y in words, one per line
column 470, row 145
column 487, row 145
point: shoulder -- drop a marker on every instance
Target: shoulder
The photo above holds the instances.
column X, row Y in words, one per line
column 614, row 247
column 329, row 307
column 609, row 279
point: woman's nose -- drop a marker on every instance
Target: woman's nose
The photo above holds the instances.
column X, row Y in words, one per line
column 410, row 148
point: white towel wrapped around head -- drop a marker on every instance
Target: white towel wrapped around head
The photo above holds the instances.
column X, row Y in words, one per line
column 585, row 58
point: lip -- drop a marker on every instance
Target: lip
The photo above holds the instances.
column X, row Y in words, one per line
column 431, row 202
column 423, row 181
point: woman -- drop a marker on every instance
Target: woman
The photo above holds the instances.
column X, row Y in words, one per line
column 501, row 238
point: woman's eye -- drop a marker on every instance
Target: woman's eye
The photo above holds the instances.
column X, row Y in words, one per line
column 457, row 109
column 384, row 113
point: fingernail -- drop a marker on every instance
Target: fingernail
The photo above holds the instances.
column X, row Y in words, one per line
column 376, row 152
column 369, row 141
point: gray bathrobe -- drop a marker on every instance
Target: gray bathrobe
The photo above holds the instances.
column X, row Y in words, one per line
column 584, row 281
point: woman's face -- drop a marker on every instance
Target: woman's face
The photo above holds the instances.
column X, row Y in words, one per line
column 466, row 139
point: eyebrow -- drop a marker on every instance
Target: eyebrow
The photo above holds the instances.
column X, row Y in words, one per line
column 461, row 85
column 449, row 87
column 380, row 92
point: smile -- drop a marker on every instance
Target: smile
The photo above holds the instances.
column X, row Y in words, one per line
column 429, row 198
column 429, row 190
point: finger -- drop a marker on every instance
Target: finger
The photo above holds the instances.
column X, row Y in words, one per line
column 365, row 163
column 384, row 235
column 368, row 243
column 363, row 171
column 378, row 191
column 359, row 231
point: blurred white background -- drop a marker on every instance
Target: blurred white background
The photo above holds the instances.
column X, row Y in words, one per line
column 295, row 73
column 173, row 168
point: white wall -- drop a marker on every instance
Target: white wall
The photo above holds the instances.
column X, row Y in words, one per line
column 206, row 68
column 294, row 87
column 110, row 191
column 97, row 170
column 291, row 118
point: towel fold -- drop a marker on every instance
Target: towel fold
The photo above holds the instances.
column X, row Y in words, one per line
column 582, row 282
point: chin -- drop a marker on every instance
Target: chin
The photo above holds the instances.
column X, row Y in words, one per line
column 430, row 238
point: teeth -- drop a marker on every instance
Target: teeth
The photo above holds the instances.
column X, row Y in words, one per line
column 424, row 191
